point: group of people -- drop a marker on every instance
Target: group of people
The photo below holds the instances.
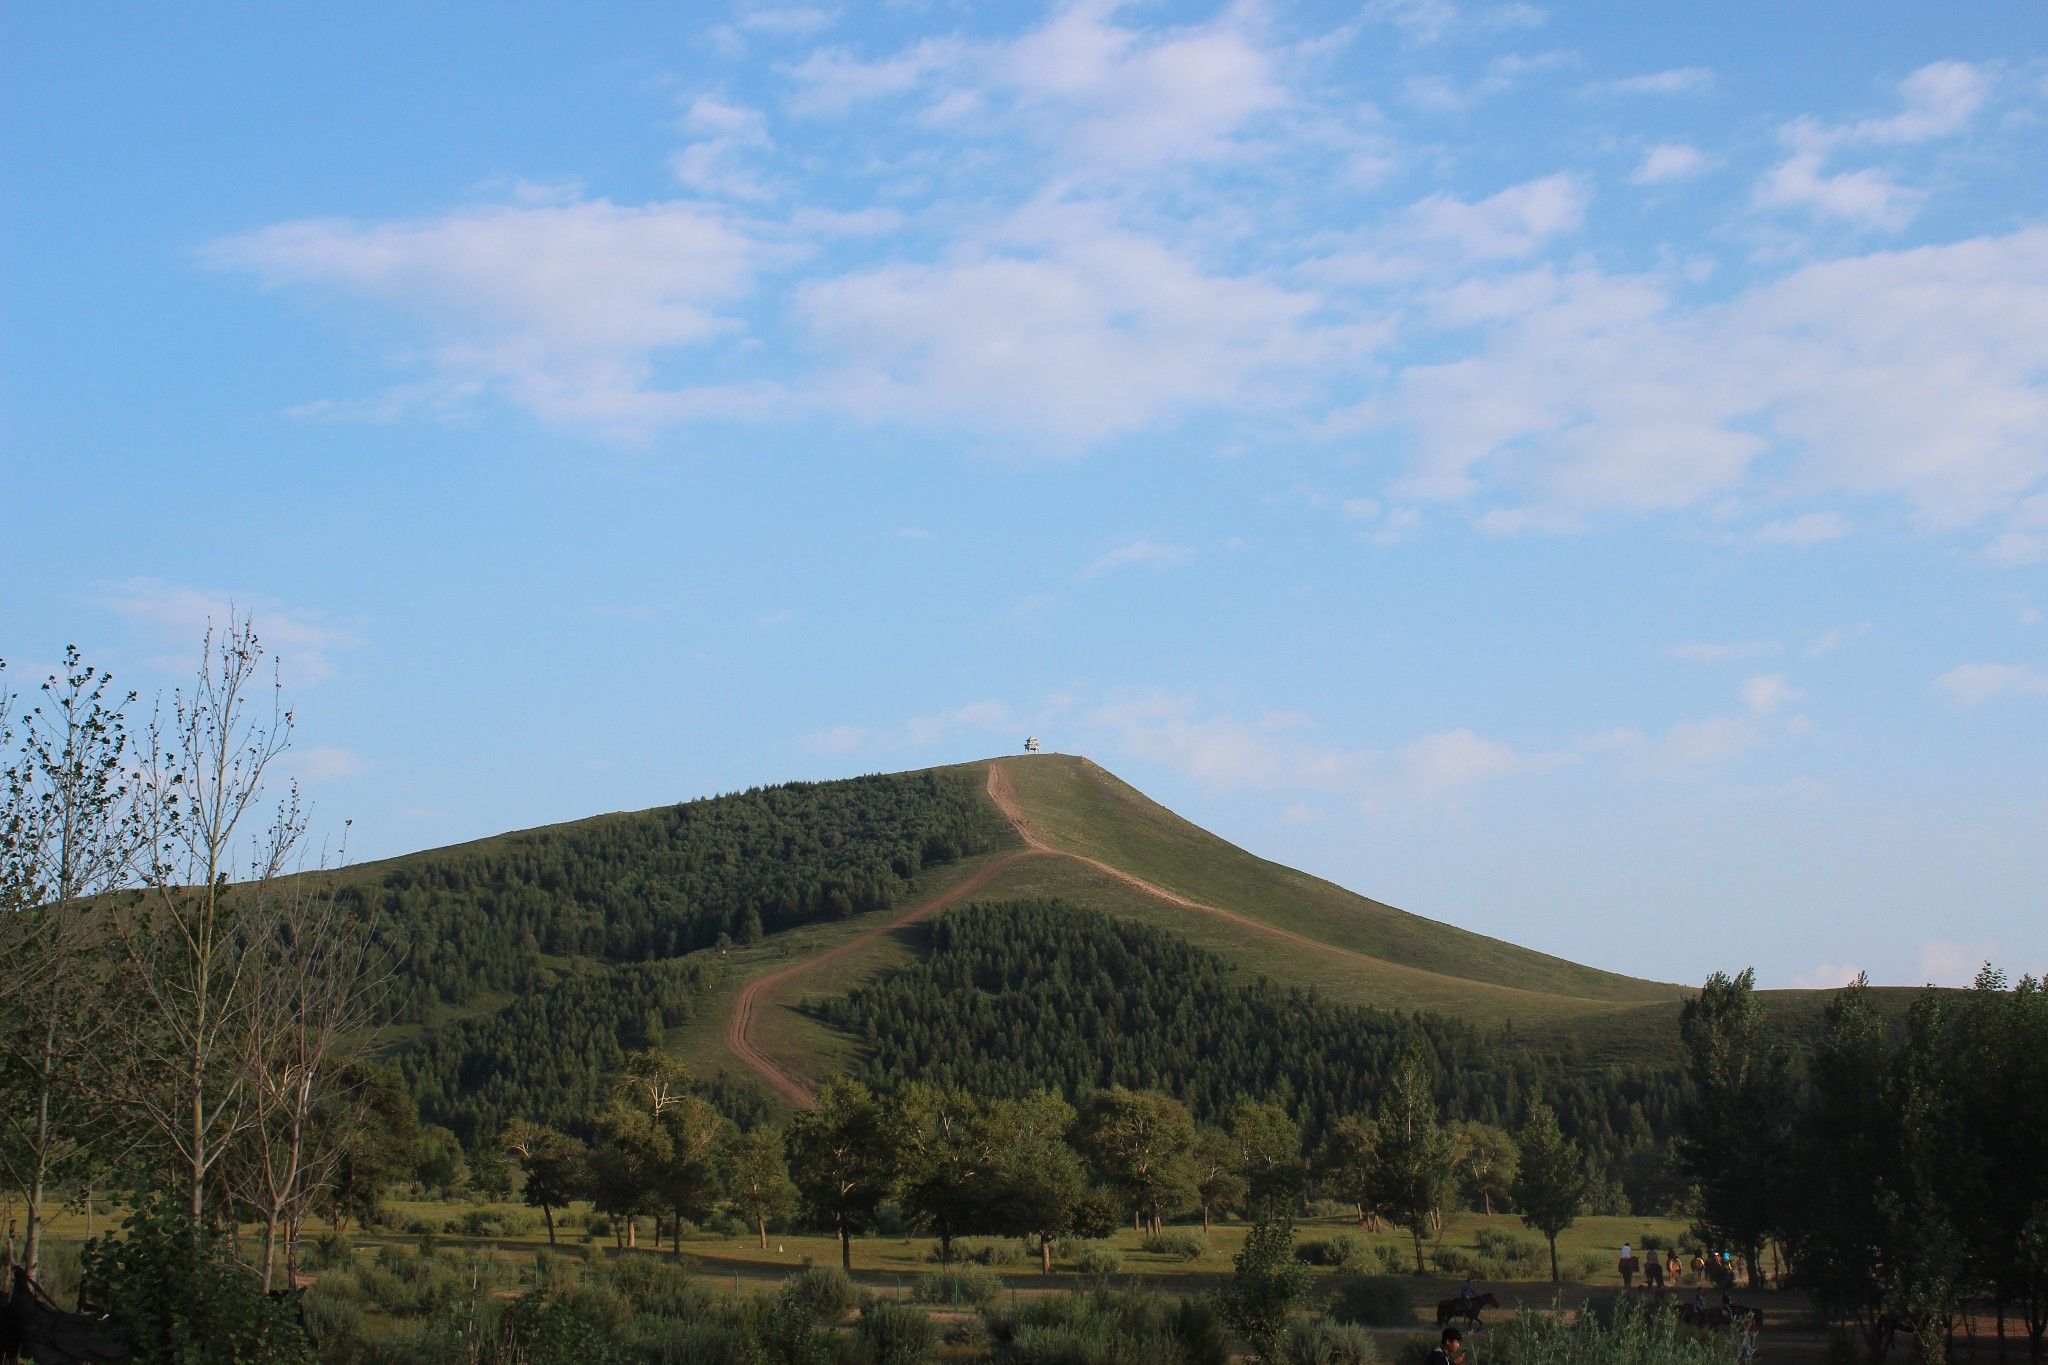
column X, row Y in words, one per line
column 1659, row 1269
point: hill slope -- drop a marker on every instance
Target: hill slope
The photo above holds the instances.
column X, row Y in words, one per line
column 528, row 956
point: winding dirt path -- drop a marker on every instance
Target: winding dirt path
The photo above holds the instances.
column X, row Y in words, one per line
column 739, row 1029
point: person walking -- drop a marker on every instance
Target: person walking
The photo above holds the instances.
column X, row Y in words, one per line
column 1450, row 1348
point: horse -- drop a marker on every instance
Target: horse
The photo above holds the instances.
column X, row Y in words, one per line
column 1468, row 1309
column 32, row 1324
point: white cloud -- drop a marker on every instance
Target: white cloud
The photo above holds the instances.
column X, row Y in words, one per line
column 1677, row 80
column 1767, row 693
column 1101, row 93
column 1428, row 21
column 1064, row 328
column 1938, row 100
column 1668, row 162
column 1151, row 553
column 561, row 308
column 1869, row 197
column 838, row 739
column 1916, row 374
column 1950, row 962
column 1445, row 232
column 786, row 20
column 177, row 616
column 987, row 714
column 1827, row 976
column 1808, row 528
column 1696, row 744
column 718, row 162
column 1828, row 641
column 325, row 763
column 1971, row 684
column 1225, row 754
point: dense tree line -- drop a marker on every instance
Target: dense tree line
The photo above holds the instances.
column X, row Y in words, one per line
column 1900, row 1172
column 489, row 917
column 547, row 1056
column 1018, row 996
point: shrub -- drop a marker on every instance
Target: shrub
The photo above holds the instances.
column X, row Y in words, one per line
column 175, row 1292
column 1103, row 1327
column 1099, row 1259
column 328, row 1251
column 1323, row 1342
column 1586, row 1268
column 657, row 1287
column 1391, row 1259
column 1453, row 1261
column 599, row 1226
column 960, row 1287
column 1180, row 1246
column 822, row 1291
column 1265, row 1282
column 1372, row 1301
column 59, row 1270
column 1620, row 1335
column 995, row 1252
column 893, row 1334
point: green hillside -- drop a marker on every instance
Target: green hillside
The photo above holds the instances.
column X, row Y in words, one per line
column 725, row 930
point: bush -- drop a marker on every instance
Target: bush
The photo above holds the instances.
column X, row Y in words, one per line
column 1586, row 1267
column 822, row 1291
column 1002, row 1251
column 1504, row 1256
column 892, row 1334
column 1372, row 1301
column 1103, row 1327
column 1620, row 1335
column 599, row 1226
column 657, row 1287
column 1099, row 1259
column 1327, row 1343
column 328, row 1251
column 1392, row 1260
column 175, row 1292
column 1453, row 1262
column 59, row 1269
column 960, row 1287
column 1179, row 1246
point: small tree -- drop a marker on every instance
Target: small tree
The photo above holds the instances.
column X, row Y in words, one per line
column 1217, row 1184
column 946, row 1154
column 1550, row 1184
column 1347, row 1166
column 1267, row 1280
column 758, row 1176
column 1412, row 1163
column 555, row 1167
column 1042, row 1189
column 1266, row 1142
column 1736, row 1136
column 1141, row 1142
column 840, row 1161
column 1486, row 1161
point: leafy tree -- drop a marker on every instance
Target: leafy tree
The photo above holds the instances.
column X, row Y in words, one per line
column 1486, row 1159
column 946, row 1146
column 64, row 836
column 1266, row 1281
column 1142, row 1144
column 757, row 1170
column 555, row 1166
column 1735, row 1139
column 840, row 1162
column 1266, row 1143
column 441, row 1167
column 1550, row 1180
column 372, row 1127
column 1411, row 1168
column 1042, row 1188
column 1348, row 1162
column 1217, row 1184
column 669, row 1138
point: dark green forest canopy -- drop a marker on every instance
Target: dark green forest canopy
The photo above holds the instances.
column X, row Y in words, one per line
column 1017, row 995
column 502, row 914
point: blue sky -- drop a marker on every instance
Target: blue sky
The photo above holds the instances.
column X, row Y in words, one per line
column 1577, row 472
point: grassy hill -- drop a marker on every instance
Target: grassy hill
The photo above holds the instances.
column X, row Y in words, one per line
column 528, row 956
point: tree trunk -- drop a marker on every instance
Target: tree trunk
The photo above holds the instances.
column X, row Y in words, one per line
column 549, row 1214
column 762, row 1224
column 1416, row 1233
column 1205, row 1220
column 1044, row 1254
column 1555, row 1279
column 845, row 1250
column 676, row 1235
column 632, row 1232
column 1487, row 1199
column 269, row 1248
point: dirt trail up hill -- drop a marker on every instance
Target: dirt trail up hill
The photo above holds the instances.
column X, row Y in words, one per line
column 739, row 1029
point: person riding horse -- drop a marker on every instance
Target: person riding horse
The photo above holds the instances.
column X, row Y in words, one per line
column 1466, row 1307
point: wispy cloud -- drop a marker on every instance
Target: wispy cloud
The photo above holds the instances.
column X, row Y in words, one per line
column 1971, row 684
column 1155, row 554
column 1677, row 80
column 174, row 617
column 1669, row 162
column 1710, row 652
